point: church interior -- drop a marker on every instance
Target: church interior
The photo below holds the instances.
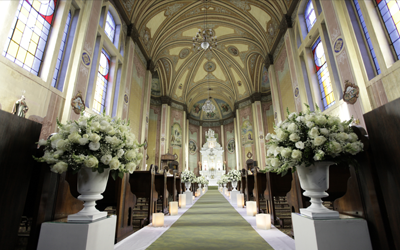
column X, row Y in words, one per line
column 202, row 83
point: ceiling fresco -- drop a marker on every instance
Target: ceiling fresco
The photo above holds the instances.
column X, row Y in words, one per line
column 246, row 31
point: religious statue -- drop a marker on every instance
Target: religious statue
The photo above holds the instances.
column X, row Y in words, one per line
column 20, row 108
column 200, row 166
column 224, row 166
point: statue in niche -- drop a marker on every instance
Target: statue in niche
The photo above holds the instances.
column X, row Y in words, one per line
column 200, row 166
column 20, row 107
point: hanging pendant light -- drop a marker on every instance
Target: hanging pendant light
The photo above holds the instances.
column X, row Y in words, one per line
column 208, row 106
column 205, row 39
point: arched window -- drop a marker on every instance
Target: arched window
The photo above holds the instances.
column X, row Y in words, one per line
column 309, row 15
column 102, row 82
column 28, row 36
column 366, row 36
column 390, row 14
column 61, row 52
column 324, row 80
column 110, row 26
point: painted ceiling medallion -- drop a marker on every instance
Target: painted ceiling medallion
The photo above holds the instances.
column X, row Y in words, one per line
column 233, row 50
column 351, row 92
column 209, row 66
column 184, row 53
column 77, row 103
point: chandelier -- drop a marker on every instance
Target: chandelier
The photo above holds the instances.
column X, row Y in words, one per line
column 205, row 39
column 208, row 106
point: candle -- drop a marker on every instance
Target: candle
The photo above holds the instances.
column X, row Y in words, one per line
column 192, row 197
column 173, row 208
column 158, row 220
column 251, row 208
column 263, row 221
column 240, row 200
column 182, row 200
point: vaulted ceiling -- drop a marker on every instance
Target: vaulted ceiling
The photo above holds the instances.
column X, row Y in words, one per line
column 248, row 31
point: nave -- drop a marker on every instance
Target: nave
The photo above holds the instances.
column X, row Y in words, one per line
column 210, row 223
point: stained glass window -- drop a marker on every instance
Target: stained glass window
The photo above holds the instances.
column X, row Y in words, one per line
column 390, row 13
column 61, row 52
column 309, row 15
column 324, row 80
column 27, row 38
column 366, row 35
column 110, row 26
column 102, row 81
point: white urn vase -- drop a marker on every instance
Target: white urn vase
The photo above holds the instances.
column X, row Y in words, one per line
column 315, row 181
column 234, row 185
column 187, row 185
column 90, row 185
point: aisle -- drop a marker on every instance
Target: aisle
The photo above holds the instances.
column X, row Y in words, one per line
column 211, row 223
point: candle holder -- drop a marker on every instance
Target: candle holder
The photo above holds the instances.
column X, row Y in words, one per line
column 240, row 200
column 182, row 200
column 158, row 220
column 173, row 208
column 263, row 221
column 251, row 208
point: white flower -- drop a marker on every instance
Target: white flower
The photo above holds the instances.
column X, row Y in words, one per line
column 95, row 126
column 130, row 155
column 353, row 137
column 94, row 137
column 91, row 162
column 130, row 167
column 57, row 154
column 281, row 135
column 73, row 128
column 42, row 142
column 309, row 118
column 299, row 145
column 324, row 131
column 114, row 141
column 340, row 128
column 83, row 123
column 333, row 120
column 94, row 146
column 139, row 157
column 268, row 137
column 319, row 155
column 296, row 154
column 342, row 136
column 74, row 137
column 105, row 159
column 120, row 153
column 268, row 161
column 320, row 120
column 114, row 163
column 354, row 147
column 275, row 162
column 314, row 132
column 284, row 125
column 294, row 137
column 309, row 124
column 277, row 151
column 300, row 119
column 286, row 152
column 319, row 140
column 334, row 148
column 83, row 141
column 59, row 168
column 292, row 128
column 292, row 115
column 62, row 144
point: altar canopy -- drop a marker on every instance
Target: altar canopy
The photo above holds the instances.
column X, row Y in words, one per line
column 212, row 161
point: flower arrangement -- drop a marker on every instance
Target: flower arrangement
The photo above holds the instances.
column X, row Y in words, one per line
column 307, row 137
column 97, row 142
column 224, row 179
column 202, row 180
column 188, row 176
column 234, row 175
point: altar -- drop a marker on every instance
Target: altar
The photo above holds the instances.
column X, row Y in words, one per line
column 212, row 161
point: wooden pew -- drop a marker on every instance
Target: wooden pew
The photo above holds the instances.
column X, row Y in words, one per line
column 171, row 186
column 243, row 183
column 143, row 186
column 260, row 186
column 178, row 185
column 162, row 191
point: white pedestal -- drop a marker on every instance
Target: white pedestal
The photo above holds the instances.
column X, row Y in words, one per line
column 97, row 235
column 189, row 199
column 234, row 197
column 200, row 190
column 343, row 234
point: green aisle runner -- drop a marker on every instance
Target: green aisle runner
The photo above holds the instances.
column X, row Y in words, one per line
column 211, row 223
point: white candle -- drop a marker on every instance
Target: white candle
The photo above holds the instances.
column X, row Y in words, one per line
column 240, row 200
column 182, row 200
column 263, row 221
column 173, row 208
column 192, row 197
column 251, row 208
column 158, row 220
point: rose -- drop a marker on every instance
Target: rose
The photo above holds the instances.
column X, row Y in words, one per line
column 268, row 137
column 319, row 140
column 120, row 153
column 299, row 145
column 309, row 124
column 130, row 167
column 74, row 137
column 296, row 154
column 309, row 118
column 91, row 162
column 354, row 147
column 114, row 141
column 300, row 119
column 95, row 126
column 286, row 152
column 94, row 137
column 268, row 161
column 114, row 163
column 313, row 133
column 105, row 159
column 294, row 137
column 94, row 146
column 130, row 155
column 353, row 137
column 333, row 121
column 277, row 151
column 57, row 154
column 83, row 141
column 320, row 120
column 324, row 131
column 275, row 162
column 42, row 142
column 281, row 135
column 319, row 155
column 139, row 157
column 341, row 136
column 292, row 127
column 334, row 147
column 62, row 144
column 292, row 115
column 73, row 128
column 60, row 167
